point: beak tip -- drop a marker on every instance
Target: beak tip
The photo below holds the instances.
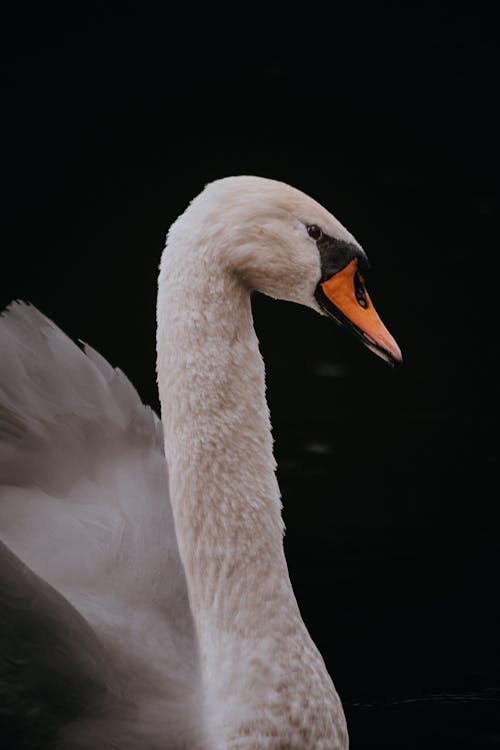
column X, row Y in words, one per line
column 392, row 350
column 397, row 358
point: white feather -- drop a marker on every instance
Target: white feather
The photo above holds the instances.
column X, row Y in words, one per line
column 84, row 503
column 106, row 546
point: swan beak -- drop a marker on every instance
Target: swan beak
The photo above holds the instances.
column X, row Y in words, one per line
column 344, row 298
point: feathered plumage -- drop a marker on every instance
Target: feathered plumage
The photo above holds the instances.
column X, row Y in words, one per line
column 99, row 603
column 146, row 611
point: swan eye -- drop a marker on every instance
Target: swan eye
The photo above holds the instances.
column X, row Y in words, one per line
column 359, row 290
column 314, row 231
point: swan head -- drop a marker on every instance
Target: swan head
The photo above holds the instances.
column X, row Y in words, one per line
column 279, row 241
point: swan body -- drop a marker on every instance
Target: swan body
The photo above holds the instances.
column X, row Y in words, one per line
column 185, row 632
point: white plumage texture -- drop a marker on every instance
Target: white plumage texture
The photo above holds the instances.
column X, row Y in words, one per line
column 84, row 504
column 146, row 609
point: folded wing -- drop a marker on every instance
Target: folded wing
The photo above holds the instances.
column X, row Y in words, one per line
column 91, row 554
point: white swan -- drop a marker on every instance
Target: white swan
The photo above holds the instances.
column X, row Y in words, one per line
column 118, row 631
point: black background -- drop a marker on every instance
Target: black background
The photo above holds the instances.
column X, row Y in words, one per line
column 116, row 115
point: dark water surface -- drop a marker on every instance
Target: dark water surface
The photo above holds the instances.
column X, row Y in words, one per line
column 387, row 485
column 434, row 722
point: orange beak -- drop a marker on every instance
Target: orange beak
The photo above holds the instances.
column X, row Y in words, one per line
column 344, row 298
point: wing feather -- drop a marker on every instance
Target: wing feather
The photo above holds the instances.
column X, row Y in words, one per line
column 84, row 505
column 52, row 666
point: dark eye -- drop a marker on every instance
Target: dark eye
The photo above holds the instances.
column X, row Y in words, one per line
column 314, row 231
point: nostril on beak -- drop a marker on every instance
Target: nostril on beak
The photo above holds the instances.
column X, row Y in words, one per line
column 359, row 291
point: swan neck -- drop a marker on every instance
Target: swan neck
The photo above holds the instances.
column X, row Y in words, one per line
column 224, row 492
column 227, row 512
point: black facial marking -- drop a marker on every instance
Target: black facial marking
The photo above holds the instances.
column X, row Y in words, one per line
column 337, row 254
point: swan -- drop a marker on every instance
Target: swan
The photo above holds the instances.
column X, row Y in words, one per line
column 146, row 606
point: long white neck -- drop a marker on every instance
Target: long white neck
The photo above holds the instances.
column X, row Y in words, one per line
column 258, row 661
